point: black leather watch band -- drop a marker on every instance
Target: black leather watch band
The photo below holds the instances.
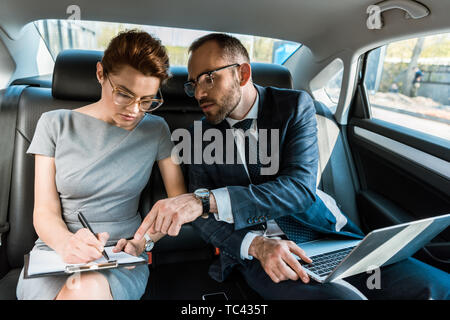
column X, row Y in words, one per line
column 205, row 203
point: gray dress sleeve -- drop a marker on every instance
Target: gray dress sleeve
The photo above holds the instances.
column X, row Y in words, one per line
column 44, row 141
column 165, row 143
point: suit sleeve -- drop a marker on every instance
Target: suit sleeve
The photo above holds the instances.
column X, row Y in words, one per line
column 293, row 188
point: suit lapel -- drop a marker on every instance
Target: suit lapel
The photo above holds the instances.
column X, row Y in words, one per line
column 267, row 120
column 264, row 114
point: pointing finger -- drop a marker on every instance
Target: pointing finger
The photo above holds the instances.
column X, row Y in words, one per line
column 166, row 225
column 147, row 223
column 158, row 223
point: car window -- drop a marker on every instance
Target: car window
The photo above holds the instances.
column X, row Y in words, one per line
column 333, row 86
column 326, row 86
column 91, row 35
column 408, row 83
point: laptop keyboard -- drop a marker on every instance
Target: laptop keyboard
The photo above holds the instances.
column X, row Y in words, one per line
column 324, row 263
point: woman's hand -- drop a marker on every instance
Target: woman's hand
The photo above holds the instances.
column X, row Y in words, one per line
column 84, row 247
column 133, row 247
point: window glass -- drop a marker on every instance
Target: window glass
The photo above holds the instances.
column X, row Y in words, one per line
column 333, row 86
column 75, row 34
column 327, row 84
column 408, row 83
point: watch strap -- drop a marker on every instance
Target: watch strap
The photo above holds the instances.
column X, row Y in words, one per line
column 205, row 204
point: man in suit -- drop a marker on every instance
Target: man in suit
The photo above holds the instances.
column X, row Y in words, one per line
column 255, row 219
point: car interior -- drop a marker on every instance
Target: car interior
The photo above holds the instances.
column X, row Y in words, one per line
column 380, row 173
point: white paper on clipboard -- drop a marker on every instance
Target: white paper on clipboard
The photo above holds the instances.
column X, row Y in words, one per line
column 42, row 262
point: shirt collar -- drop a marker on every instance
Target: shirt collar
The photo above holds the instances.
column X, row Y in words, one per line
column 252, row 114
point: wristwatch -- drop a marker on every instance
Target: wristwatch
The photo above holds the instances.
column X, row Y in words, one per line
column 149, row 244
column 203, row 195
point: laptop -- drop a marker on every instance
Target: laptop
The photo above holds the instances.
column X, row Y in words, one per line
column 336, row 259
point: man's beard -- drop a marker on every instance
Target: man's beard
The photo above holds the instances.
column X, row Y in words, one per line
column 226, row 105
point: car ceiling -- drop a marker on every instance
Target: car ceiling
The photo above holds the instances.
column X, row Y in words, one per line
column 325, row 26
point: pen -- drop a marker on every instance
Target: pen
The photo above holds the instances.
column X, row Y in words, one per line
column 85, row 224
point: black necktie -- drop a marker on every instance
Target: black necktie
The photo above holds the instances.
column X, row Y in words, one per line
column 293, row 229
column 254, row 169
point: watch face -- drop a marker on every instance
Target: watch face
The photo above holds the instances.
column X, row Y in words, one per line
column 202, row 193
column 149, row 246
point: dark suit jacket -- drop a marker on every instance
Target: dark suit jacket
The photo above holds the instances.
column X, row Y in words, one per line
column 291, row 191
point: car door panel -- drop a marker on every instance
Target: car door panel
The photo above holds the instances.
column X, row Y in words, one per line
column 404, row 176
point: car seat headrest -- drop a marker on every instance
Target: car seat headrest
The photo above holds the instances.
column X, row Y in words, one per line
column 273, row 75
column 74, row 77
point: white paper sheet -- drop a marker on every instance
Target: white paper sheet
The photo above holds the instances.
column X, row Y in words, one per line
column 42, row 261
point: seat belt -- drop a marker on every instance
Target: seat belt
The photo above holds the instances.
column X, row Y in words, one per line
column 8, row 123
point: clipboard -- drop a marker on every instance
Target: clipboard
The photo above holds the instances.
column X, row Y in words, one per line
column 43, row 263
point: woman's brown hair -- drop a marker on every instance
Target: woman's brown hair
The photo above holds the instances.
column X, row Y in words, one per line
column 139, row 50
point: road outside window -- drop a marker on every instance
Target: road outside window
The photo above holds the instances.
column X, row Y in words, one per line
column 408, row 83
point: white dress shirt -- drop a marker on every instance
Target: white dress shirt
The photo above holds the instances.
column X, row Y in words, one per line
column 222, row 196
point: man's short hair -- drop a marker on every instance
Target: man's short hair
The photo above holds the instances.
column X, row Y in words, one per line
column 231, row 46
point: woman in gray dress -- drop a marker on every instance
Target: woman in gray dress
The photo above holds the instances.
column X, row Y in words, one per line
column 96, row 160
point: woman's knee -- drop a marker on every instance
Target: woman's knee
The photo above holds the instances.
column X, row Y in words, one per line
column 86, row 286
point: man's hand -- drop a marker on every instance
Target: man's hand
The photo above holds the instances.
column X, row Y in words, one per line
column 277, row 260
column 168, row 215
